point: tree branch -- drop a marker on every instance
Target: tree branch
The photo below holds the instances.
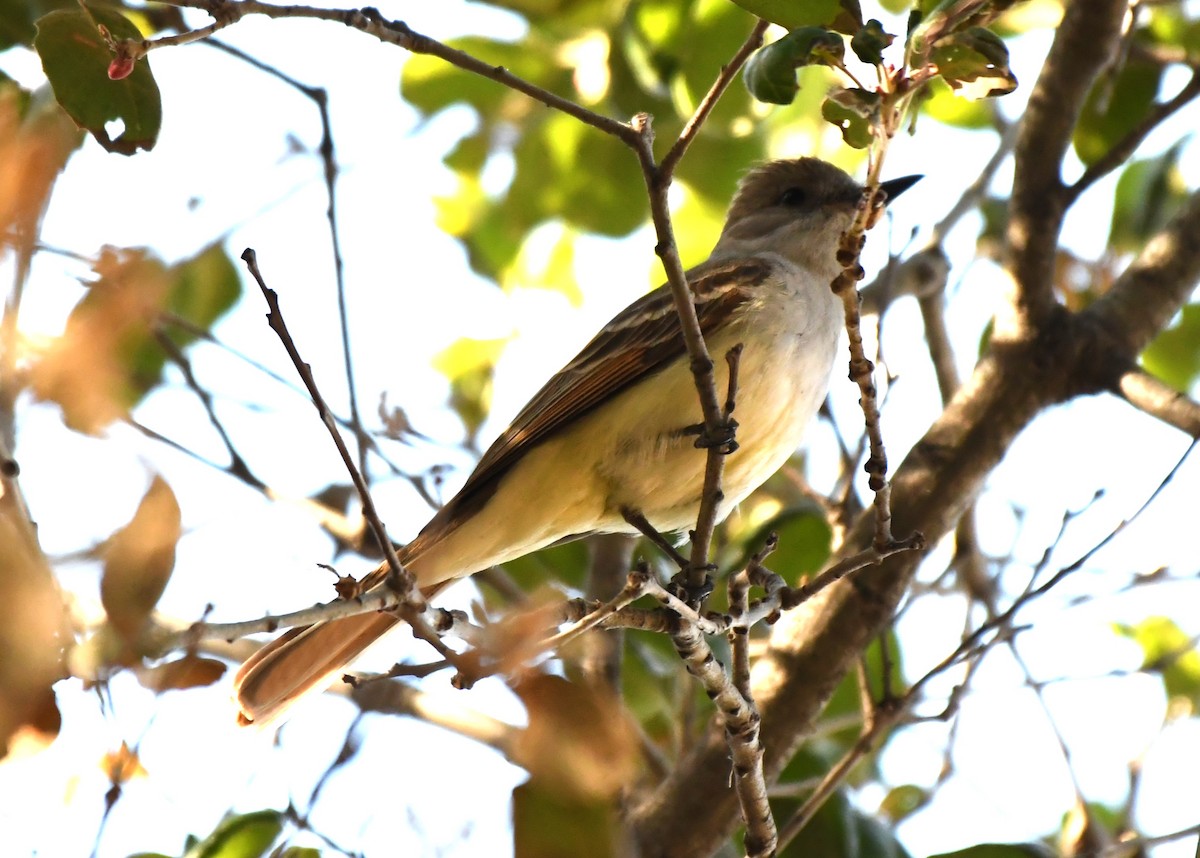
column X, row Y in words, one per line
column 1146, row 393
column 1148, row 294
column 1083, row 44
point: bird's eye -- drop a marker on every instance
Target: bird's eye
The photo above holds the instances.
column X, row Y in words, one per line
column 793, row 198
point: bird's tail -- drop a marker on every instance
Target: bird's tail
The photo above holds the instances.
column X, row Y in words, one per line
column 304, row 661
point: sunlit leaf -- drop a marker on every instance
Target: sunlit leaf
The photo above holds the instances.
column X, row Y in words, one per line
column 770, row 74
column 1114, row 107
column 139, row 559
column 470, row 367
column 431, row 84
column 613, row 207
column 248, row 835
column 1172, row 26
column 1171, row 653
column 793, row 14
column 974, row 62
column 76, row 60
column 941, row 103
column 1174, row 355
column 547, row 261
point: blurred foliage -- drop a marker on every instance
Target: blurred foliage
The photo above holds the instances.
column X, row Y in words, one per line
column 1149, row 193
column 1001, row 850
column 1174, row 355
column 470, row 365
column 111, row 355
column 1171, row 653
column 247, row 835
column 138, row 561
column 841, row 830
column 1116, row 105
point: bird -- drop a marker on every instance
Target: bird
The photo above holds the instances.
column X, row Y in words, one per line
column 608, row 444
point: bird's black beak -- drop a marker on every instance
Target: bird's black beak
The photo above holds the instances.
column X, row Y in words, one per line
column 895, row 187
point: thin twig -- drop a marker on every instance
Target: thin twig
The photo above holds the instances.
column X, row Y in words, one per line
column 319, row 96
column 369, row 21
column 279, row 326
column 724, row 78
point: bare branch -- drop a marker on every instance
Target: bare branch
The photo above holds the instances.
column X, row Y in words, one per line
column 1146, row 393
column 370, row 21
column 1083, row 43
column 1149, row 292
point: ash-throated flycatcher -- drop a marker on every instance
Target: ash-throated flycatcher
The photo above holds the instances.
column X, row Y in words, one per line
column 607, row 439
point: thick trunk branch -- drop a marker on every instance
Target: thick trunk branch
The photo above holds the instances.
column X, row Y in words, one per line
column 1082, row 47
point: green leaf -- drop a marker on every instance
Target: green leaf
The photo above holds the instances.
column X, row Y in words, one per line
column 974, row 62
column 248, row 835
column 870, row 42
column 1171, row 653
column 839, row 830
column 544, row 821
column 548, row 182
column 1174, row 355
column 1114, row 107
column 431, row 85
column 300, row 852
column 793, row 14
column 205, row 287
column 16, row 23
column 1172, row 27
column 903, row 801
column 715, row 31
column 1148, row 194
column 1000, row 850
column 770, row 74
column 805, row 539
column 853, row 111
column 565, row 564
column 76, row 61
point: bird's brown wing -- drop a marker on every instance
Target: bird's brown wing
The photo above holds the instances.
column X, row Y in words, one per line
column 638, row 342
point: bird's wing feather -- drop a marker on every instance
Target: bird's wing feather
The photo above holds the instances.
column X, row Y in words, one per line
column 641, row 340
